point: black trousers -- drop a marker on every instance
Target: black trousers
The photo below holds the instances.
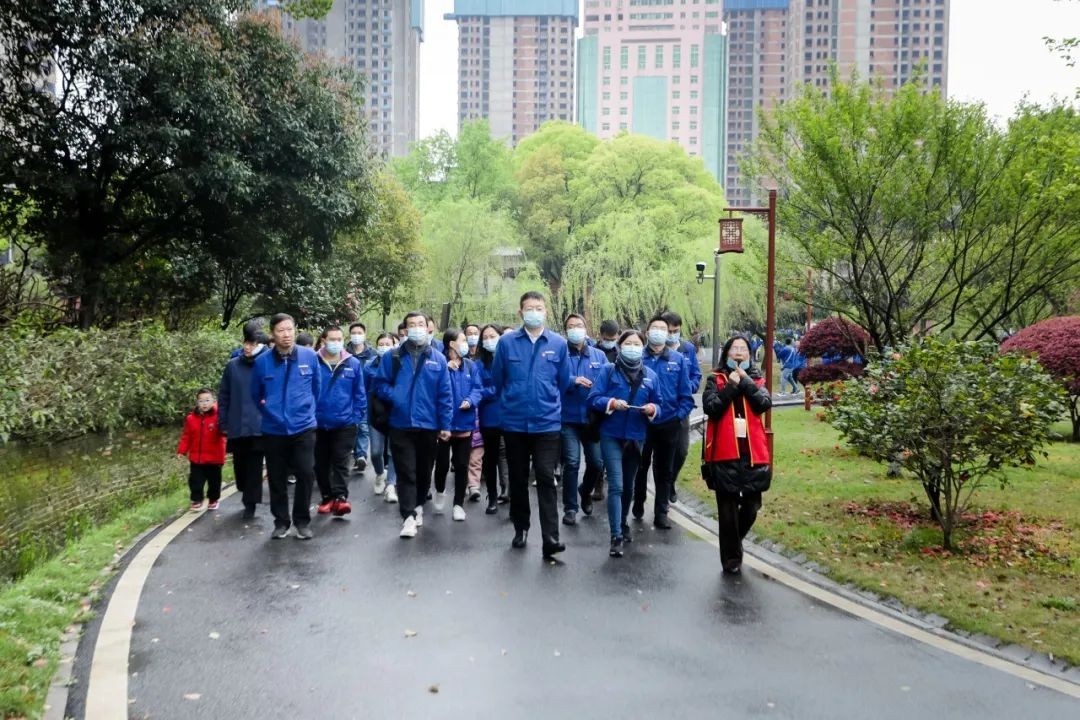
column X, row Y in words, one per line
column 333, row 448
column 295, row 454
column 201, row 475
column 736, row 513
column 247, row 459
column 414, row 455
column 541, row 452
column 460, row 448
column 682, row 449
column 661, row 442
column 493, row 453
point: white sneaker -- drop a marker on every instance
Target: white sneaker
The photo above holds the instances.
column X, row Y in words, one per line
column 408, row 528
column 459, row 513
column 419, row 516
column 380, row 484
column 439, row 502
column 391, row 494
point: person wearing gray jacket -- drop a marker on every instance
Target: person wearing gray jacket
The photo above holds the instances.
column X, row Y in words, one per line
column 240, row 419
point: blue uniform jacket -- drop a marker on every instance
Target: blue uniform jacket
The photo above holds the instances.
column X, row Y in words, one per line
column 365, row 358
column 237, row 412
column 672, row 372
column 530, row 379
column 286, row 390
column 688, row 351
column 344, row 400
column 575, row 400
column 625, row 424
column 421, row 405
column 465, row 384
column 490, row 407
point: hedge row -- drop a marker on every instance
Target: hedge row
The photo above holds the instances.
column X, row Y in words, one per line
column 72, row 382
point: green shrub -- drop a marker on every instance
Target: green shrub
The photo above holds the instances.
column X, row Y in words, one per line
column 951, row 413
column 73, row 382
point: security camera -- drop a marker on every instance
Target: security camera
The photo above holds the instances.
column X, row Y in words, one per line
column 700, row 268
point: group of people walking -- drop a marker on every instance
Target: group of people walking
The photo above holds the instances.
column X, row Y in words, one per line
column 485, row 401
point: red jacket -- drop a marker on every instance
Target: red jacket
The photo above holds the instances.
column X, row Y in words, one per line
column 202, row 440
column 720, row 442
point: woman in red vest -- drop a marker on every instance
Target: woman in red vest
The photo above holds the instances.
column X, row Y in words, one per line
column 736, row 462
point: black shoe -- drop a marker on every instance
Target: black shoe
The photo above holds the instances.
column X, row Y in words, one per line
column 598, row 494
column 586, row 504
column 616, row 547
column 638, row 511
column 552, row 547
column 627, row 536
column 569, row 518
column 520, row 538
column 492, row 508
column 361, row 464
column 660, row 522
column 674, row 496
column 503, row 499
column 249, row 512
column 733, row 567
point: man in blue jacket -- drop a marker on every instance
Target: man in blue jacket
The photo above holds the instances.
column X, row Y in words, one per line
column 662, row 439
column 342, row 404
column 688, row 350
column 285, row 386
column 240, row 419
column 414, row 381
column 586, row 362
column 359, row 348
column 531, row 371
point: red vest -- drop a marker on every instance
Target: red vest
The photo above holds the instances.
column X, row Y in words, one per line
column 720, row 442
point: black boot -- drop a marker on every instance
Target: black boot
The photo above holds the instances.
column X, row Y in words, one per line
column 520, row 538
column 552, row 547
column 616, row 547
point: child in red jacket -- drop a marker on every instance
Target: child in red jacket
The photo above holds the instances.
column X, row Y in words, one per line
column 204, row 445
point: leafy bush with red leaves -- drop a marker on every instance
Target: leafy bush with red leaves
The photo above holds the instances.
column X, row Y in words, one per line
column 1056, row 344
column 830, row 373
column 834, row 336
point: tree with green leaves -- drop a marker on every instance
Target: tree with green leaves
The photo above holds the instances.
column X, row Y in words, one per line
column 179, row 130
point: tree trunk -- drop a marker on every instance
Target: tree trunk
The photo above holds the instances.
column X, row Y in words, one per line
column 1074, row 415
column 933, row 494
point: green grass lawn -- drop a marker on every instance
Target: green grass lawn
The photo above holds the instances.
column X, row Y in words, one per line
column 1016, row 575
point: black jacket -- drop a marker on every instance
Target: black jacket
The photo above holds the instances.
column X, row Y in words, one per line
column 735, row 476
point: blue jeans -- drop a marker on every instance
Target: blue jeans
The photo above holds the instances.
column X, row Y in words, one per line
column 621, row 460
column 787, row 377
column 571, row 464
column 380, row 451
column 362, row 433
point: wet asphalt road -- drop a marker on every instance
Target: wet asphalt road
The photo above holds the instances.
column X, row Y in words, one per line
column 318, row 630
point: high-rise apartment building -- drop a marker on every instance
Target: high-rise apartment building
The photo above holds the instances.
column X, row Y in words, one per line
column 776, row 45
column 380, row 39
column 515, row 63
column 656, row 68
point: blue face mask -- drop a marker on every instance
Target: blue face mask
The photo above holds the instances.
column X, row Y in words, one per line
column 607, row 344
column 383, row 349
column 576, row 335
column 419, row 335
column 473, row 340
column 490, row 345
column 674, row 338
column 632, row 353
column 334, row 347
column 657, row 336
column 745, row 364
column 533, row 318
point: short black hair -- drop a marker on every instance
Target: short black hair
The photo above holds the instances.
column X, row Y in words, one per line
column 401, row 326
column 329, row 329
column 636, row 333
column 203, row 391
column 531, row 295
column 412, row 314
column 672, row 318
column 357, row 325
column 657, row 318
column 570, row 317
column 280, row 318
column 609, row 327
column 304, row 339
column 449, row 338
column 253, row 331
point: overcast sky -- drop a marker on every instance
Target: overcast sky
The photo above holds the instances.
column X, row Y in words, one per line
column 996, row 56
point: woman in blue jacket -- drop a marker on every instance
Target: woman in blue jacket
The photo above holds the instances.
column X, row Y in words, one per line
column 342, row 406
column 465, row 389
column 491, row 419
column 382, row 462
column 628, row 394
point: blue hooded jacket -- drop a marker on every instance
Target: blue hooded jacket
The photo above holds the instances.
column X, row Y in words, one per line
column 344, row 400
column 688, row 351
column 465, row 384
column 286, row 390
column 237, row 412
column 625, row 424
column 490, row 406
column 530, row 378
column 575, row 400
column 420, row 395
column 673, row 374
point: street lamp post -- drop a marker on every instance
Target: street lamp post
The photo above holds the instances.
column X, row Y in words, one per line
column 715, row 277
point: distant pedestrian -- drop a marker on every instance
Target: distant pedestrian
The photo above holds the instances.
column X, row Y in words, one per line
column 735, row 454
column 359, row 348
column 791, row 362
column 495, row 463
column 240, row 418
column 609, row 335
column 286, row 385
column 382, row 462
column 465, row 387
column 204, row 445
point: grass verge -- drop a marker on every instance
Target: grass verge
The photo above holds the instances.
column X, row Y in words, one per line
column 1016, row 576
column 36, row 610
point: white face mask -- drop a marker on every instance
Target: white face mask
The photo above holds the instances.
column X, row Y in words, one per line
column 258, row 348
column 463, row 349
column 490, row 345
column 382, row 350
column 358, row 338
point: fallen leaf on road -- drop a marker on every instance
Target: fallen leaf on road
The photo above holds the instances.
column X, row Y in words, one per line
column 166, row 609
column 410, row 633
column 434, row 689
column 215, row 635
column 192, row 696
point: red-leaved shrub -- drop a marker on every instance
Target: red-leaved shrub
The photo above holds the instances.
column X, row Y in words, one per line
column 834, row 336
column 1056, row 343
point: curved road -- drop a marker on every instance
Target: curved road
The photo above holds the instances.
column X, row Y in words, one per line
column 231, row 624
